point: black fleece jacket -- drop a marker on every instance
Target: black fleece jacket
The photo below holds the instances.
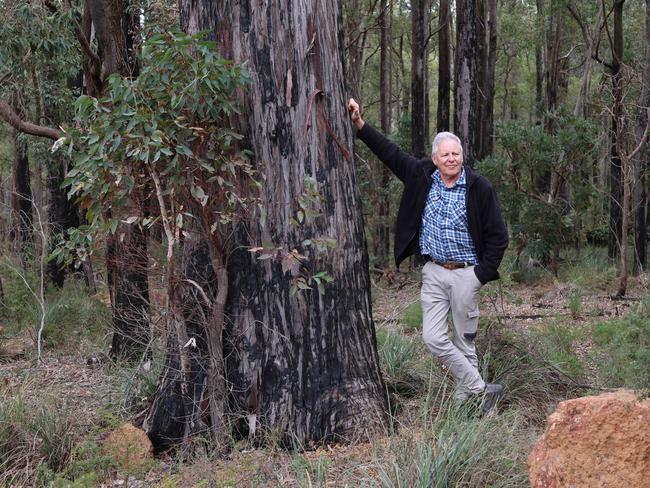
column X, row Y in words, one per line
column 486, row 226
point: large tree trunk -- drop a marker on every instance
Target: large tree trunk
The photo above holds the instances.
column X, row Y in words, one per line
column 444, row 67
column 419, row 68
column 127, row 260
column 303, row 367
column 640, row 162
column 467, row 76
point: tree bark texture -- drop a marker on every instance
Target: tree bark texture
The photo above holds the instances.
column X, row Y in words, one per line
column 22, row 197
column 179, row 409
column 467, row 76
column 381, row 236
column 640, row 162
column 62, row 215
column 419, row 68
column 303, row 367
column 444, row 67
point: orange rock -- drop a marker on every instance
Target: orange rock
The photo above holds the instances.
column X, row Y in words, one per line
column 129, row 447
column 595, row 442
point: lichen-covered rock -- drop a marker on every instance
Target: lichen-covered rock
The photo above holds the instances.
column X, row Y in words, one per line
column 130, row 448
column 595, row 442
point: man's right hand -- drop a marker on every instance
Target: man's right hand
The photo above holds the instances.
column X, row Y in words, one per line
column 355, row 115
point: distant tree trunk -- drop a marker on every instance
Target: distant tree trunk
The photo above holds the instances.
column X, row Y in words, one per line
column 552, row 45
column 467, row 76
column 444, row 67
column 615, row 174
column 640, row 162
column 301, row 367
column 382, row 236
column 419, row 68
column 539, row 69
column 487, row 117
column 62, row 215
column 127, row 261
column 23, row 200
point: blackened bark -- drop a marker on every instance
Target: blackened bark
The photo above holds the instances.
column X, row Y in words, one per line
column 640, row 162
column 179, row 409
column 62, row 215
column 419, row 67
column 22, row 206
column 444, row 67
column 467, row 76
column 303, row 367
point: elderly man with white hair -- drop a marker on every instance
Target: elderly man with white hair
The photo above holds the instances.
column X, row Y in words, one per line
column 450, row 216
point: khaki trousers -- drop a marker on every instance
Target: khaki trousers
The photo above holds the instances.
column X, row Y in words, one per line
column 456, row 290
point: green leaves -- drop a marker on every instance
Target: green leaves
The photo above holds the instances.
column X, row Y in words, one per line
column 165, row 132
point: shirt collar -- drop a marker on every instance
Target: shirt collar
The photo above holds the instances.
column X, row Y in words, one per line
column 461, row 181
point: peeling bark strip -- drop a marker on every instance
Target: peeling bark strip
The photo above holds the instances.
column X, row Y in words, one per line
column 303, row 368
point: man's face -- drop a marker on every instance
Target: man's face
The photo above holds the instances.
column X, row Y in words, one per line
column 449, row 160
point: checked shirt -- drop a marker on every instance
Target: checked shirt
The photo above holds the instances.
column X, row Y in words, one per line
column 444, row 234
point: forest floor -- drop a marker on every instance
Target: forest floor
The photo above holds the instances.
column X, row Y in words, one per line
column 92, row 394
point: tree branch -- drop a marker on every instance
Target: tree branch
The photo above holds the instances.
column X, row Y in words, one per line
column 9, row 115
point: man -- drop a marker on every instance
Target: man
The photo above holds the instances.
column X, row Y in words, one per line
column 451, row 217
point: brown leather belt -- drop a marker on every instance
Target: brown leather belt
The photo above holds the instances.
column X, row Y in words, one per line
column 450, row 265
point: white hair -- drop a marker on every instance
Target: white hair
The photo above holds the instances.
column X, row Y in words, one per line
column 443, row 136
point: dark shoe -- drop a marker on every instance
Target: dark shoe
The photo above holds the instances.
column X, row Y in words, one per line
column 491, row 396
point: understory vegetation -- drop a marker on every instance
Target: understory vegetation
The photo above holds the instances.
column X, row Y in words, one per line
column 581, row 341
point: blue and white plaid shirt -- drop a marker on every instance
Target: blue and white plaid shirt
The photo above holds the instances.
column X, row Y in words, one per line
column 444, row 234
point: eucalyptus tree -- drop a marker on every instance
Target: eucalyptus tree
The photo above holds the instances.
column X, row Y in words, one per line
column 302, row 366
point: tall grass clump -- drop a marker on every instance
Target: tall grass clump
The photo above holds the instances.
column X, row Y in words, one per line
column 457, row 448
column 73, row 316
column 32, row 434
column 624, row 348
column 555, row 343
column 403, row 362
column 533, row 384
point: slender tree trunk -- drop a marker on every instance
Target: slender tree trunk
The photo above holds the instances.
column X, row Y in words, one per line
column 444, row 67
column 382, row 236
column 487, row 145
column 616, row 208
column 23, row 200
column 539, row 67
column 467, row 76
column 419, row 67
column 640, row 162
